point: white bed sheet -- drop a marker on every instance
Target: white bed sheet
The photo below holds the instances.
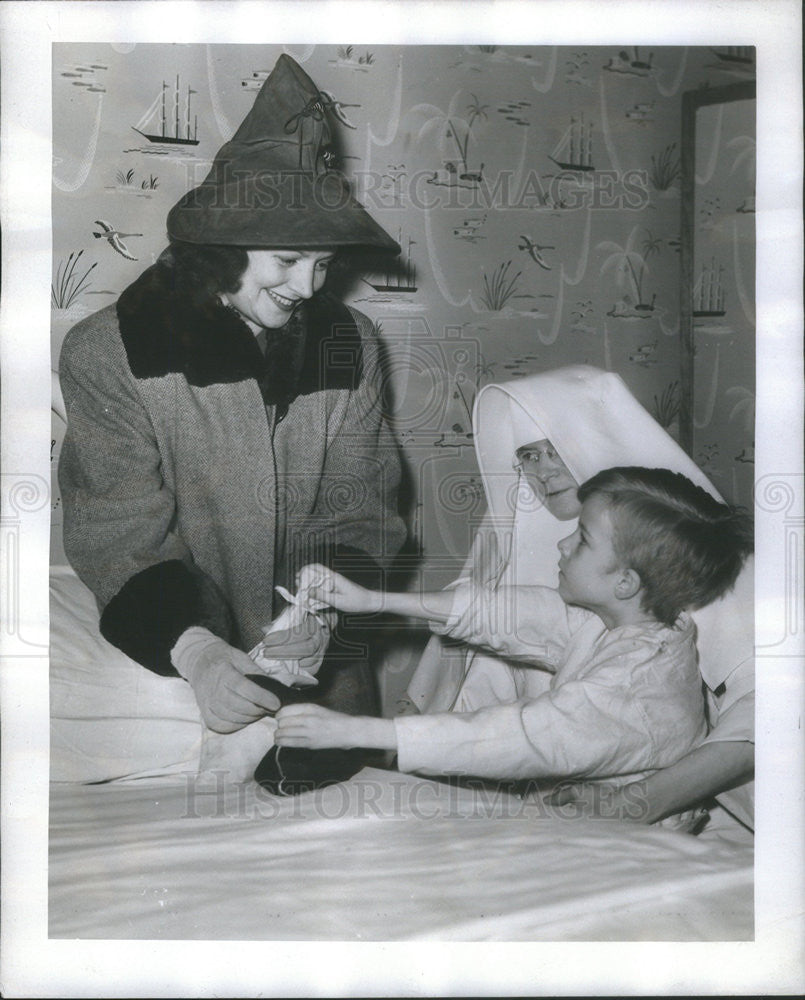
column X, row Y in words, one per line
column 383, row 857
column 161, row 850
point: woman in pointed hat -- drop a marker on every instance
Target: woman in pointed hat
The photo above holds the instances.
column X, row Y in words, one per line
column 225, row 421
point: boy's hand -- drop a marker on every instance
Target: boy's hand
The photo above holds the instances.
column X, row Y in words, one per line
column 323, row 584
column 314, row 727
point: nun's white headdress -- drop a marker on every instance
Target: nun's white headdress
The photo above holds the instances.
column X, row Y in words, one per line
column 593, row 422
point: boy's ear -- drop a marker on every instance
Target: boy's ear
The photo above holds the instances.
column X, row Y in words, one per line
column 628, row 584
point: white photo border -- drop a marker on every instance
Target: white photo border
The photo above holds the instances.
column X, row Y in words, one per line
column 32, row 965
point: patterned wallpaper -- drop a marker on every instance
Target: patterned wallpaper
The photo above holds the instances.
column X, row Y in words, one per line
column 534, row 190
column 724, row 297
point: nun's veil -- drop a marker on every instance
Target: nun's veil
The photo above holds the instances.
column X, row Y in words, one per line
column 593, row 423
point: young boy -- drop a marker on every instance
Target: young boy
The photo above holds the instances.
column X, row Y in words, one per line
column 626, row 695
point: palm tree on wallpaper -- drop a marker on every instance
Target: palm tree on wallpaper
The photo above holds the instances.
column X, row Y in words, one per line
column 455, row 129
column 484, row 369
column 631, row 266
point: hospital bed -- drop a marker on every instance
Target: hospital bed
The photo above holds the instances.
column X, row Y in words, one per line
column 145, row 846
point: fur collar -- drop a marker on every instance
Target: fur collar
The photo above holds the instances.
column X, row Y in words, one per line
column 166, row 329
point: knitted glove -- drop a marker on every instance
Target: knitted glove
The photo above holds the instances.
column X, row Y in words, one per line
column 216, row 671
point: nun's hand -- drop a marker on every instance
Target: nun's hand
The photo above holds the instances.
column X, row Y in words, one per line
column 226, row 698
column 599, row 800
column 603, row 800
column 306, row 642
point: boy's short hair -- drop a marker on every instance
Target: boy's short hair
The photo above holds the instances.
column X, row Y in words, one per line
column 687, row 548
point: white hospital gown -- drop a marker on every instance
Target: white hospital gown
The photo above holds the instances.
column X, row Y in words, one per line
column 726, row 660
column 623, row 701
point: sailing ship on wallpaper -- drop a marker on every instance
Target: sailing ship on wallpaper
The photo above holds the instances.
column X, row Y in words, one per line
column 160, row 106
column 398, row 280
column 575, row 149
column 709, row 297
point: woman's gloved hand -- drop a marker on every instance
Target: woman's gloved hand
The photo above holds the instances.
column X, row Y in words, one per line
column 216, row 671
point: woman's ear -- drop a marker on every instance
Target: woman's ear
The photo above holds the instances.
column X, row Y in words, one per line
column 628, row 584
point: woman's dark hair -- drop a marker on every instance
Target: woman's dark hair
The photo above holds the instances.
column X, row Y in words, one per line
column 203, row 270
column 686, row 547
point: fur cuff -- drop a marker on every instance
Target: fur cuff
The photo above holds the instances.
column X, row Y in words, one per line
column 152, row 609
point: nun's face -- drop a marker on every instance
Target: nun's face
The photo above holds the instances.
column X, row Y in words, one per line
column 275, row 282
column 550, row 479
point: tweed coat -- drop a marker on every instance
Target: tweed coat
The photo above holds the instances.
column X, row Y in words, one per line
column 197, row 474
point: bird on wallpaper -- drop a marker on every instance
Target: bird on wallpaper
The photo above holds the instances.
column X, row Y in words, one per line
column 534, row 251
column 114, row 238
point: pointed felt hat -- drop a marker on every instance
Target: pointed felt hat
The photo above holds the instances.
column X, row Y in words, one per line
column 273, row 183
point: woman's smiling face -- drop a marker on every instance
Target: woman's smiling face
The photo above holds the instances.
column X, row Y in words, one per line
column 275, row 282
column 550, row 479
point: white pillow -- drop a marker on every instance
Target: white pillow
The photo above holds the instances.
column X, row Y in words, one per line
column 112, row 719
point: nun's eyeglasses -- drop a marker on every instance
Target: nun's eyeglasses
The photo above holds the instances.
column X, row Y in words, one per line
column 525, row 456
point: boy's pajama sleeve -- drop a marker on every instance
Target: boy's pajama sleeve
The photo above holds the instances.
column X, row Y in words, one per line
column 521, row 623
column 601, row 725
column 564, row 737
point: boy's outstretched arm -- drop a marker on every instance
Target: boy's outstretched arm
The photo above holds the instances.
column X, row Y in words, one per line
column 319, row 728
column 323, row 584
